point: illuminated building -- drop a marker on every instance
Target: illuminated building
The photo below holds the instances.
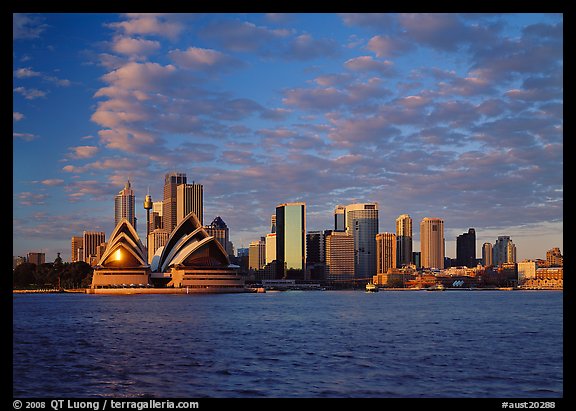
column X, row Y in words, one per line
column 432, row 242
column 291, row 241
column 124, row 205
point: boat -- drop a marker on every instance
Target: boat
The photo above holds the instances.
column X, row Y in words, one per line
column 371, row 288
column 436, row 287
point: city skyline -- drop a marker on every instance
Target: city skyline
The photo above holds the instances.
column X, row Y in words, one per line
column 454, row 116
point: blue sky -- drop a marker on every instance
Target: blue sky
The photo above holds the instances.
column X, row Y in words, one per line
column 456, row 116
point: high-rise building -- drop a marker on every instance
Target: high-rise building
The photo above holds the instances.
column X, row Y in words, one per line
column 36, row 258
column 291, row 240
column 554, row 257
column 466, row 249
column 362, row 224
column 189, row 198
column 219, row 230
column 339, row 256
column 403, row 240
column 171, row 182
column 315, row 247
column 257, row 255
column 91, row 240
column 504, row 251
column 125, row 205
column 340, row 218
column 432, row 242
column 273, row 223
column 77, row 243
column 385, row 252
column 270, row 247
column 156, row 239
column 487, row 254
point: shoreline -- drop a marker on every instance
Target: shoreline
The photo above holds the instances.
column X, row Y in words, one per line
column 132, row 291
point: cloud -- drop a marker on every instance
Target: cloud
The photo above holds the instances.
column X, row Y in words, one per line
column 388, row 46
column 83, row 151
column 163, row 25
column 30, row 93
column 195, row 58
column 243, row 36
column 304, row 47
column 367, row 63
column 16, row 116
column 27, row 26
column 52, row 182
column 24, row 136
column 134, row 46
column 27, row 198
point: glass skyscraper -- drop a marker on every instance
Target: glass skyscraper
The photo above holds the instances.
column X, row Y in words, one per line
column 291, row 240
column 362, row 224
column 125, row 206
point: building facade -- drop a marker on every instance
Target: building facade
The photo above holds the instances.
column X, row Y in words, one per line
column 340, row 218
column 432, row 242
column 125, row 205
column 403, row 240
column 171, row 182
column 466, row 249
column 156, row 239
column 291, row 241
column 189, row 198
column 487, row 255
column 77, row 244
column 91, row 240
column 504, row 251
column 386, row 252
column 257, row 255
column 339, row 256
column 362, row 224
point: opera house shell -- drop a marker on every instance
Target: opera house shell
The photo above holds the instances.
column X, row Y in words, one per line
column 190, row 261
column 194, row 260
column 123, row 262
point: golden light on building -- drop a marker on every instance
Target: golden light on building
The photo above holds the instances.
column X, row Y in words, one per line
column 118, row 255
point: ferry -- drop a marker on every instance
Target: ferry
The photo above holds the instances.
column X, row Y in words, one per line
column 437, row 287
column 371, row 288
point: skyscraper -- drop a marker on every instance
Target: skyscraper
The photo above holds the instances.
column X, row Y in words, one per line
column 403, row 240
column 504, row 251
column 77, row 244
column 466, row 249
column 219, row 230
column 124, row 205
column 362, row 224
column 257, row 254
column 385, row 252
column 189, row 198
column 339, row 256
column 291, row 240
column 432, row 242
column 340, row 218
column 91, row 240
column 171, row 182
column 487, row 254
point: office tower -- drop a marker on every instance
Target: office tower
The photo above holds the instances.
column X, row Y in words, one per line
column 314, row 247
column 362, row 224
column 171, row 182
column 385, row 252
column 270, row 247
column 189, row 198
column 466, row 249
column 339, row 256
column 432, row 242
column 91, row 240
column 77, row 243
column 156, row 239
column 273, row 223
column 257, row 254
column 340, row 218
column 36, row 258
column 291, row 240
column 156, row 216
column 219, row 230
column 504, row 251
column 124, row 205
column 487, row 254
column 403, row 240
column 554, row 257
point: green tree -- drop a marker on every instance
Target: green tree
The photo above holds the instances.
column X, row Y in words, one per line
column 23, row 276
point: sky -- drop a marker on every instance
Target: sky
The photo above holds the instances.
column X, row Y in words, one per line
column 455, row 116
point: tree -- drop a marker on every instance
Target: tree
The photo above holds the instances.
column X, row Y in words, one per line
column 23, row 276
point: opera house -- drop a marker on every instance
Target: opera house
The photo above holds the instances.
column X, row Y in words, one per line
column 190, row 261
